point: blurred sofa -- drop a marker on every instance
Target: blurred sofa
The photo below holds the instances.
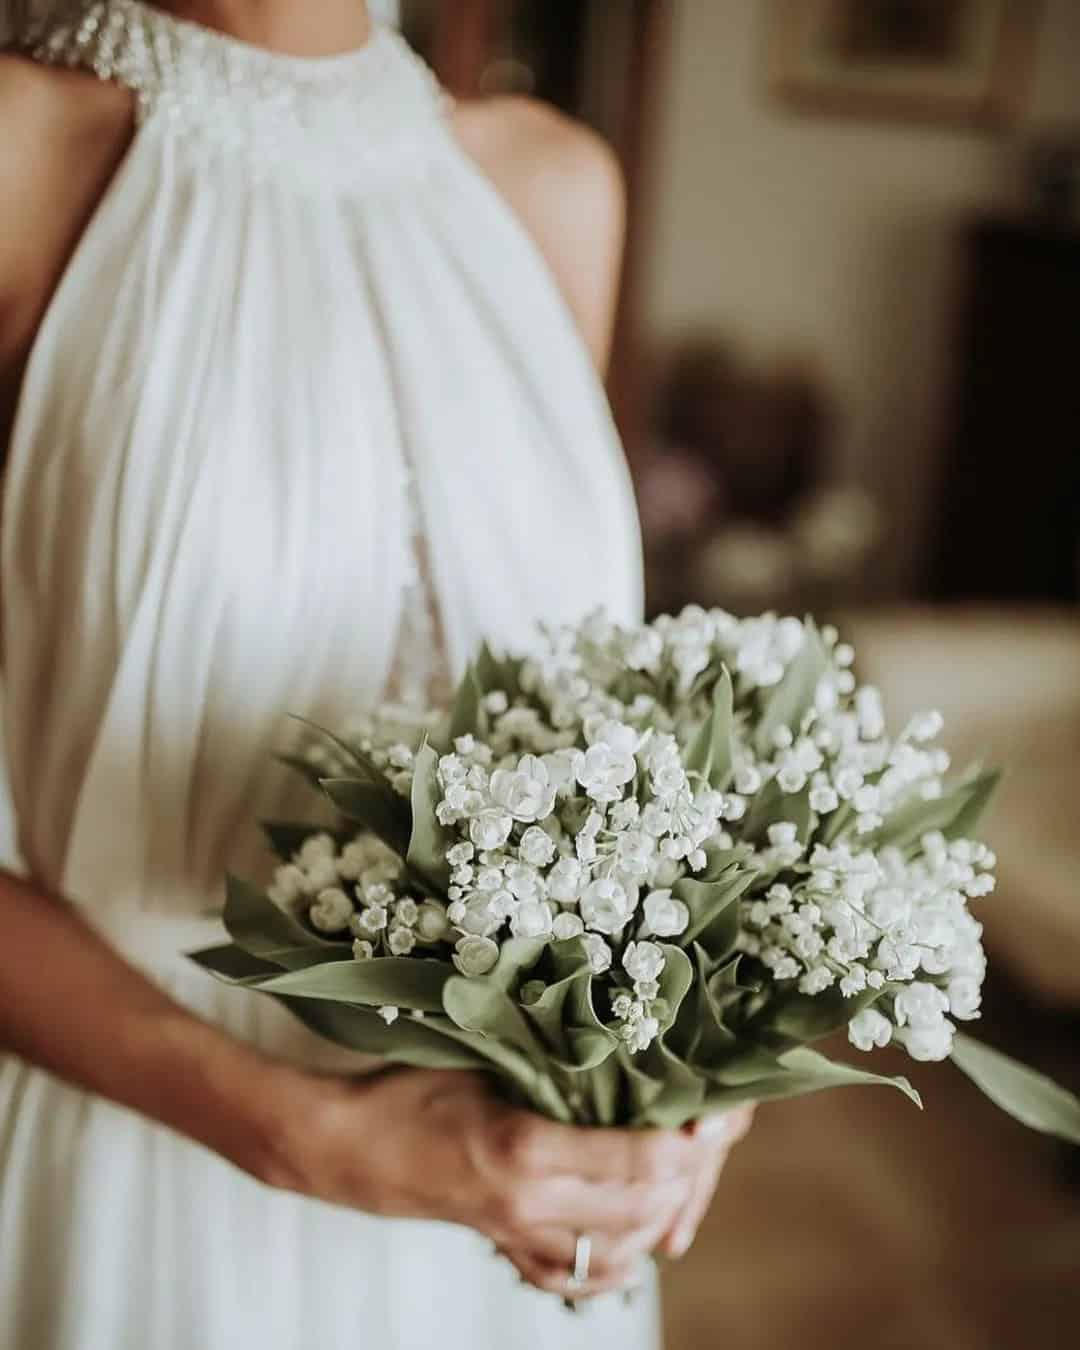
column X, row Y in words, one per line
column 1008, row 684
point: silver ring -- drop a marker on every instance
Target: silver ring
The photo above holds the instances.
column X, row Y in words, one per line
column 582, row 1256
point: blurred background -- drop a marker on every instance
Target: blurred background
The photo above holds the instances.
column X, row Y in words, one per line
column 847, row 371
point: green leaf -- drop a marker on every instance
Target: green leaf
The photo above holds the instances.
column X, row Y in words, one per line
column 1027, row 1096
column 981, row 789
column 481, row 1005
column 603, row 1086
column 788, row 703
column 517, row 956
column 497, row 1028
column 232, row 964
column 260, row 928
column 497, row 672
column 799, row 1018
column 376, row 806
column 467, row 715
column 428, row 840
column 682, row 1091
column 954, row 813
column 549, row 1014
column 772, row 805
column 713, row 910
column 710, row 753
column 397, row 981
column 795, row 1074
column 422, row 1044
column 675, row 980
column 698, row 1034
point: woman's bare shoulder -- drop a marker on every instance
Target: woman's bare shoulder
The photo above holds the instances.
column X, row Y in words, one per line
column 61, row 136
column 565, row 184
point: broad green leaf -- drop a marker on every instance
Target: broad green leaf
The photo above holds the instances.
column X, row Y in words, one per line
column 568, row 956
column 981, row 790
column 517, row 956
column 799, row 1018
column 467, row 715
column 232, row 964
column 682, row 1091
column 481, row 1005
column 793, row 697
column 549, row 1015
column 1027, row 1096
column 713, row 908
column 421, row 1044
column 642, row 1089
column 952, row 813
column 384, row 980
column 603, row 1087
column 698, row 1034
column 675, row 981
column 590, row 1041
column 794, row 1074
column 710, row 752
column 429, row 840
column 497, row 672
column 772, row 805
column 260, row 928
column 494, row 1026
column 376, row 806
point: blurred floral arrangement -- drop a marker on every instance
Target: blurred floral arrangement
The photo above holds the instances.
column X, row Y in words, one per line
column 737, row 504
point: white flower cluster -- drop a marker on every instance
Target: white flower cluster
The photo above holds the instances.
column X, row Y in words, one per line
column 571, row 814
column 581, row 841
column 357, row 890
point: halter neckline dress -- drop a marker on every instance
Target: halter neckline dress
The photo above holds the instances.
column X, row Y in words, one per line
column 305, row 419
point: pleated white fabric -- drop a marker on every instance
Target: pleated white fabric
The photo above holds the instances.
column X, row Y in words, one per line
column 296, row 290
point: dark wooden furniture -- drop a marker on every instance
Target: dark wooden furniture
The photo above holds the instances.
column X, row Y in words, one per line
column 1009, row 526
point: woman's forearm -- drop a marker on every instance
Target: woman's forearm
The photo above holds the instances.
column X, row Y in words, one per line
column 70, row 1005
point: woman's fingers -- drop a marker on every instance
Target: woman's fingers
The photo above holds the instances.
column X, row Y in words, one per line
column 610, row 1210
column 718, row 1134
column 680, row 1236
column 529, row 1143
column 609, row 1253
column 555, row 1277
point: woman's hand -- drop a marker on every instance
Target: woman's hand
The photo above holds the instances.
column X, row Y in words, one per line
column 439, row 1145
column 717, row 1135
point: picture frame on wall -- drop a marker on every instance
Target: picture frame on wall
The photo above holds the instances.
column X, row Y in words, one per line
column 946, row 62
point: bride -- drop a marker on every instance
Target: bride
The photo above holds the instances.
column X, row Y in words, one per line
column 298, row 387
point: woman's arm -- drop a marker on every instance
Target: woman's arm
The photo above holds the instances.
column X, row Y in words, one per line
column 69, row 1004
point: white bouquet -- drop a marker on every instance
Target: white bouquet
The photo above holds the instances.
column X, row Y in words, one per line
column 634, row 875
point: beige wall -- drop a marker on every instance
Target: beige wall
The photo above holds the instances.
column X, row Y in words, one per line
column 831, row 235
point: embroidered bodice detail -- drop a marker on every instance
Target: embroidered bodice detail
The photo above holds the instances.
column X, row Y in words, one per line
column 359, row 118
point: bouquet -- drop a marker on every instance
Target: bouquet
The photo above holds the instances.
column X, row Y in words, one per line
column 635, row 875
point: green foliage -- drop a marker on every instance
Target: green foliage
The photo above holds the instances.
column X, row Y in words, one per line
column 788, row 703
column 258, row 927
column 385, row 980
column 428, row 839
column 1027, row 1096
column 376, row 806
column 710, row 753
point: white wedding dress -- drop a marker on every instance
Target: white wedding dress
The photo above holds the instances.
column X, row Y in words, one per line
column 298, row 309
